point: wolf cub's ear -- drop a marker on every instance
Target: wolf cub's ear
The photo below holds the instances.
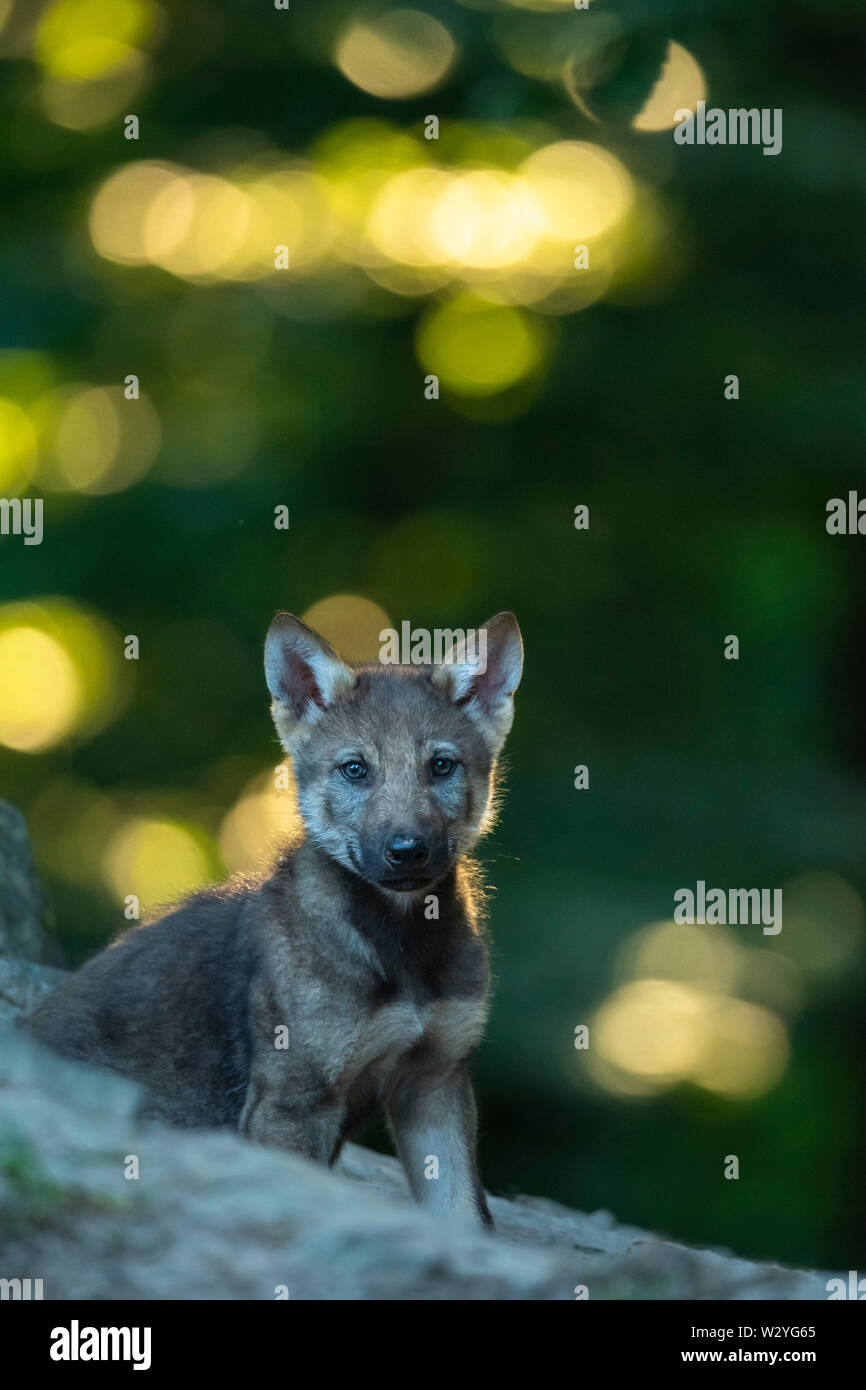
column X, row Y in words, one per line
column 304, row 674
column 482, row 676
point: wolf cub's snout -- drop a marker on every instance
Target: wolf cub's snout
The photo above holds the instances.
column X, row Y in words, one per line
column 364, row 944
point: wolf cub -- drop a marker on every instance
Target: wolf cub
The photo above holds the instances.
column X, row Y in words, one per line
column 355, row 976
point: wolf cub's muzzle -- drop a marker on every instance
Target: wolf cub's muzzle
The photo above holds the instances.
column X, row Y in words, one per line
column 408, row 861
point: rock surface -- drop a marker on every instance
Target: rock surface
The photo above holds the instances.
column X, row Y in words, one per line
column 23, row 908
column 212, row 1216
column 22, row 984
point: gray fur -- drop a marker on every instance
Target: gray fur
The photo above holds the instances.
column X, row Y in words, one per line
column 379, row 973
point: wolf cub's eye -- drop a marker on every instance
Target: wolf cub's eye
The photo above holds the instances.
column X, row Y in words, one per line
column 354, row 770
column 442, row 767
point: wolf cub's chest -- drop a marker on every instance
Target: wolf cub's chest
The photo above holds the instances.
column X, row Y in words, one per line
column 446, row 1028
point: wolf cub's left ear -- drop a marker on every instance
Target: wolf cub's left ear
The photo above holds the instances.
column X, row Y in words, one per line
column 304, row 674
column 482, row 676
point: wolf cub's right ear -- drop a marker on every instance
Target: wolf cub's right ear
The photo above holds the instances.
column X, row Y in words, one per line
column 304, row 674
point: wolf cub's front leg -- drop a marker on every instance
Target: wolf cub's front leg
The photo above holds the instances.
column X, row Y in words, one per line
column 304, row 1124
column 433, row 1117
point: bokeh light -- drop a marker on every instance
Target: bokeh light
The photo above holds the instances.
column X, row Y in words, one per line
column 745, row 1051
column 681, row 84
column 582, row 190
column 478, row 349
column 18, row 448
column 265, row 816
column 651, row 1032
column 157, row 860
column 40, row 693
column 287, row 206
column 400, row 220
column 25, row 376
column 196, row 225
column 499, row 216
column 675, row 1019
column 58, row 674
column 397, row 54
column 630, row 76
column 96, row 441
column 118, row 213
column 708, row 958
column 78, row 40
column 483, row 220
column 351, row 624
column 650, row 1035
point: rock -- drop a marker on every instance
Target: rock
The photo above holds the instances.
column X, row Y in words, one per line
column 22, row 984
column 212, row 1216
column 24, row 911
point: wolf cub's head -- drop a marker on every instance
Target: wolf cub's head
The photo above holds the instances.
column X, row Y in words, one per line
column 394, row 765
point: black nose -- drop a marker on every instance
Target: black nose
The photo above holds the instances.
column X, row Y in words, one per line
column 407, row 852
